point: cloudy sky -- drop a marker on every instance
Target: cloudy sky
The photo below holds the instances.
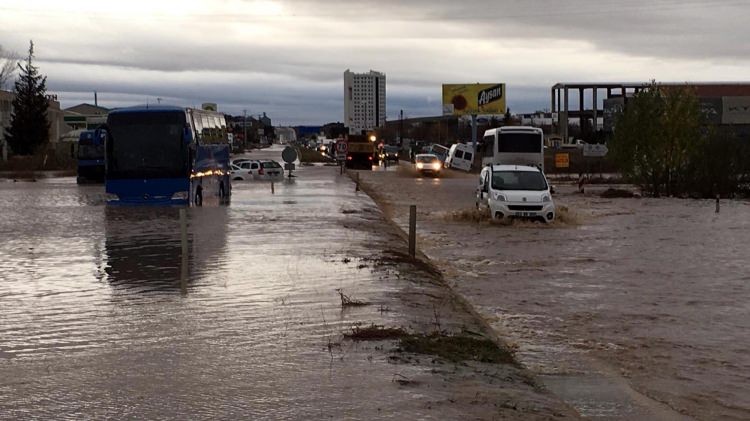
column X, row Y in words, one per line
column 287, row 57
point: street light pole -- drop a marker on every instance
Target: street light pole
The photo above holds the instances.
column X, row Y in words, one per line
column 244, row 126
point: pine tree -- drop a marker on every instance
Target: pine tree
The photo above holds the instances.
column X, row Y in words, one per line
column 29, row 127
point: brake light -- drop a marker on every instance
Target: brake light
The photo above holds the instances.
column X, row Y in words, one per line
column 349, row 158
column 370, row 158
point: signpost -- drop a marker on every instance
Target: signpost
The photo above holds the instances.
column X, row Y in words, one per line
column 289, row 155
column 562, row 160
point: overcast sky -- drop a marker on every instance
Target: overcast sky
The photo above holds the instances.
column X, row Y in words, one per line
column 287, row 57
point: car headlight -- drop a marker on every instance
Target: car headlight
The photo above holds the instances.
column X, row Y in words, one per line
column 546, row 198
column 420, row 165
column 500, row 197
column 436, row 166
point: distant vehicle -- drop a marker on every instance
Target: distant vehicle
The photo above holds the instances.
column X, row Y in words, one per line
column 269, row 170
column 460, row 156
column 166, row 155
column 390, row 153
column 440, row 151
column 260, row 169
column 237, row 173
column 90, row 156
column 514, row 145
column 360, row 152
column 576, row 144
column 515, row 191
column 427, row 163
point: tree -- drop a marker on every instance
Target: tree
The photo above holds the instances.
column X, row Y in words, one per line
column 29, row 128
column 8, row 62
column 655, row 138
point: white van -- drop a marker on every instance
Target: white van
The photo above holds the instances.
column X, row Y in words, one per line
column 515, row 191
column 460, row 156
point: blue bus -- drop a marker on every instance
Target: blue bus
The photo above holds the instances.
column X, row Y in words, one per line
column 166, row 155
column 90, row 156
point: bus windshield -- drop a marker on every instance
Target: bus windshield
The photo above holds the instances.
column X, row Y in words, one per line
column 518, row 180
column 88, row 151
column 519, row 143
column 147, row 145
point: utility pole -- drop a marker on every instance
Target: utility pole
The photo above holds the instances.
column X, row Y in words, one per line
column 401, row 129
column 244, row 126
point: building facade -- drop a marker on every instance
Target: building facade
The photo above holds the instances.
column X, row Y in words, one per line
column 364, row 101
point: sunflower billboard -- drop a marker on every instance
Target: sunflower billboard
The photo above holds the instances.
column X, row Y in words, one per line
column 475, row 98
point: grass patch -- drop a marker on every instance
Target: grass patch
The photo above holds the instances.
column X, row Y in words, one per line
column 454, row 348
column 347, row 301
column 457, row 348
column 375, row 333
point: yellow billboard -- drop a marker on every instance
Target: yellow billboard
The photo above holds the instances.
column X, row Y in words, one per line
column 475, row 98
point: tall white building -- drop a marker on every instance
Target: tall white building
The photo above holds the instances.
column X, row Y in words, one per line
column 364, row 101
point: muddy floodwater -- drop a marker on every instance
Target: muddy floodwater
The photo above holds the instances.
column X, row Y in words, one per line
column 98, row 319
column 627, row 308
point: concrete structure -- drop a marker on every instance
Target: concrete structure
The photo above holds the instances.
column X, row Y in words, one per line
column 726, row 103
column 364, row 101
column 85, row 116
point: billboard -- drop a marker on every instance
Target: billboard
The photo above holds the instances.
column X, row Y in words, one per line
column 475, row 98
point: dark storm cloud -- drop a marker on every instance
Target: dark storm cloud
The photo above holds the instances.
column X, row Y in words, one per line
column 292, row 62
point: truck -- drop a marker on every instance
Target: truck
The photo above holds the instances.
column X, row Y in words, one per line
column 361, row 153
column 90, row 156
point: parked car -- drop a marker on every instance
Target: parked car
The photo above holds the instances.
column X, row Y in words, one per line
column 238, row 161
column 427, row 163
column 269, row 170
column 515, row 191
column 237, row 173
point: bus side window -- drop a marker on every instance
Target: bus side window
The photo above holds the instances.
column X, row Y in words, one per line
column 489, row 145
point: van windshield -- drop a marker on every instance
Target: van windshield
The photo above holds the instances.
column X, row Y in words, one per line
column 518, row 180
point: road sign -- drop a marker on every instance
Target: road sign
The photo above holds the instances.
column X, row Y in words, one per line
column 562, row 160
column 595, row 150
column 289, row 154
column 342, row 147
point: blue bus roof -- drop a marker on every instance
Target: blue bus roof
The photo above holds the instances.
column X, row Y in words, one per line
column 148, row 109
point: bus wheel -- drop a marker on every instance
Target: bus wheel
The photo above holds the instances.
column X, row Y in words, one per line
column 199, row 197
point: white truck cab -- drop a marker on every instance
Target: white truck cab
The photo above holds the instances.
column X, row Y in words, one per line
column 515, row 191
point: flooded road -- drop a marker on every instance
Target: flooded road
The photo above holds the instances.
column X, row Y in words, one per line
column 628, row 309
column 98, row 322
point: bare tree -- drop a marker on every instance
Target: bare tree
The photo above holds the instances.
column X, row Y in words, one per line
column 8, row 64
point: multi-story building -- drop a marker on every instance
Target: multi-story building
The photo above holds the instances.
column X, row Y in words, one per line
column 364, row 101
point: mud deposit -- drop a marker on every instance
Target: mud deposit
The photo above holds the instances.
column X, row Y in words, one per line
column 637, row 309
column 99, row 322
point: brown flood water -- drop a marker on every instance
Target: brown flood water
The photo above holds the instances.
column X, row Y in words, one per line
column 638, row 308
column 97, row 322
